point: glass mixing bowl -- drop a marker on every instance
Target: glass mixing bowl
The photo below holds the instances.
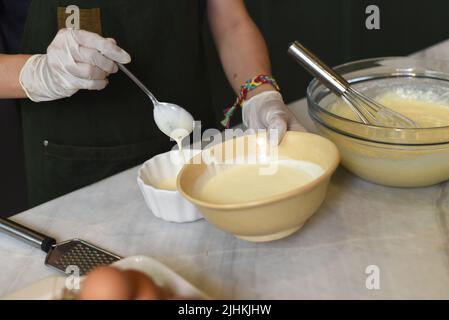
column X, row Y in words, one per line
column 396, row 157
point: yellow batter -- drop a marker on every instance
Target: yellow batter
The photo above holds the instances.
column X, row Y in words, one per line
column 394, row 165
column 245, row 183
column 426, row 113
column 166, row 184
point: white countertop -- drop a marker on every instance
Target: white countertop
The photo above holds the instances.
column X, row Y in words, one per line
column 402, row 231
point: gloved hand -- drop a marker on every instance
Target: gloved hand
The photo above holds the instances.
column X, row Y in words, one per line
column 267, row 110
column 76, row 59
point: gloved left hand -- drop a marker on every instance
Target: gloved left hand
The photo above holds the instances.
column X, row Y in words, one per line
column 267, row 110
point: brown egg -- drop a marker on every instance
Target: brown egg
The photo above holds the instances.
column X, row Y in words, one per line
column 106, row 283
column 143, row 286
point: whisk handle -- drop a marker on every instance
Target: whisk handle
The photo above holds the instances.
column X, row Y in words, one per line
column 23, row 233
column 318, row 68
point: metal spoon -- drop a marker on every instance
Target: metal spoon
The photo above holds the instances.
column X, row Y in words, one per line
column 173, row 120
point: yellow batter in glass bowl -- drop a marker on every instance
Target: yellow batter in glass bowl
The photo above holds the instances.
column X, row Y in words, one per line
column 391, row 156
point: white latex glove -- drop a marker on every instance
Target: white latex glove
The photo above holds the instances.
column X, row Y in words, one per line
column 267, row 110
column 76, row 59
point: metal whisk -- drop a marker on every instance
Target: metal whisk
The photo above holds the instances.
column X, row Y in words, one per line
column 366, row 109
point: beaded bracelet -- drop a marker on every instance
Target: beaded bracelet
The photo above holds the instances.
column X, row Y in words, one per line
column 248, row 86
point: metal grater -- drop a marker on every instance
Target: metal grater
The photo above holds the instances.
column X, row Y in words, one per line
column 78, row 253
column 60, row 256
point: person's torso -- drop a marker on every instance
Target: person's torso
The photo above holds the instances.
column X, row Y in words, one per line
column 13, row 184
column 96, row 133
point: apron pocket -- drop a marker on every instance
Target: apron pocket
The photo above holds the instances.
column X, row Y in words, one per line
column 67, row 168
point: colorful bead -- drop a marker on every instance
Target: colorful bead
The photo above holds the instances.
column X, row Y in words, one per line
column 249, row 85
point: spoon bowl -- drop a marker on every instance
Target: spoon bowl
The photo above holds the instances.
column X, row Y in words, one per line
column 173, row 120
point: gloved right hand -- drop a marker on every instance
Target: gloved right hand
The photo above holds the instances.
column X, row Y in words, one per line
column 267, row 110
column 76, row 59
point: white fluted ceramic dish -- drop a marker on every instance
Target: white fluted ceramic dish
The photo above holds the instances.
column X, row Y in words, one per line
column 168, row 205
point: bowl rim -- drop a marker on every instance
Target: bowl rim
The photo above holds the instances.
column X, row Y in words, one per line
column 151, row 187
column 315, row 105
column 272, row 199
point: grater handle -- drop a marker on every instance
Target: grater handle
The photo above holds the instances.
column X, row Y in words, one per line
column 23, row 233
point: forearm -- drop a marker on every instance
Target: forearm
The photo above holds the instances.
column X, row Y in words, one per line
column 240, row 44
column 10, row 66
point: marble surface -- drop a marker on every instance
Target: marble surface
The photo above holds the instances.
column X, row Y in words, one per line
column 405, row 232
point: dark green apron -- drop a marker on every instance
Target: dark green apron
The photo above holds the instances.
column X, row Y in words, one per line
column 73, row 142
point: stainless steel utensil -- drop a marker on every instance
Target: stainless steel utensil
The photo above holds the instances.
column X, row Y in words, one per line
column 367, row 110
column 138, row 83
column 168, row 116
column 60, row 256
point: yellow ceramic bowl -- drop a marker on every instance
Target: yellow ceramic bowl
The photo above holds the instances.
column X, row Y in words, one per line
column 275, row 217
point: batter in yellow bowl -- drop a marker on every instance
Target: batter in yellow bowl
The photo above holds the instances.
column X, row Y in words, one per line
column 246, row 183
